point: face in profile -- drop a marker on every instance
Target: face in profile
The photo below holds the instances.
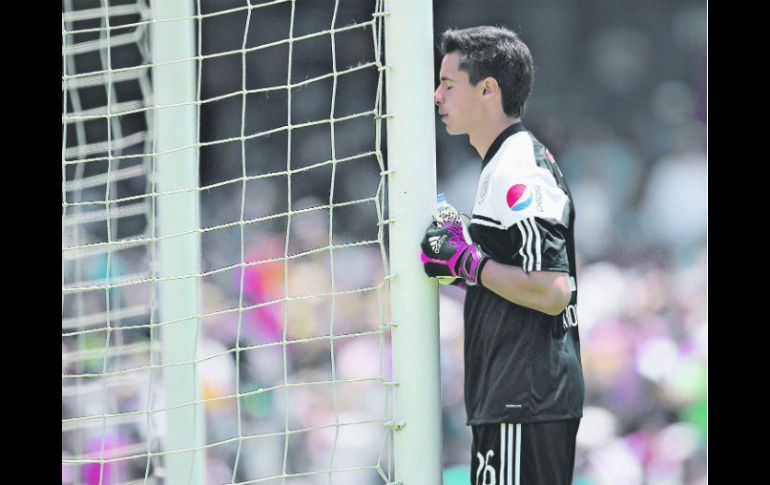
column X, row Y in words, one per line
column 457, row 100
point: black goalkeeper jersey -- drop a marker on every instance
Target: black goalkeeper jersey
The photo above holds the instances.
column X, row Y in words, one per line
column 522, row 365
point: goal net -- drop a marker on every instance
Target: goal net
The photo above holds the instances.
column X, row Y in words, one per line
column 266, row 357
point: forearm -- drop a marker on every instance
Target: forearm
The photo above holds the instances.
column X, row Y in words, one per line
column 544, row 291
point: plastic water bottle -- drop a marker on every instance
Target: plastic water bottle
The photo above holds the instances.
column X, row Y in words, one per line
column 444, row 211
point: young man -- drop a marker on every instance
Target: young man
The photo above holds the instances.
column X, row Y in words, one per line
column 523, row 376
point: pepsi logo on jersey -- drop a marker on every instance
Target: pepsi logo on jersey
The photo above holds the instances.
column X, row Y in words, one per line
column 518, row 197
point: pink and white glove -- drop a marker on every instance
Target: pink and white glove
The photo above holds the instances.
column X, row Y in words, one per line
column 447, row 251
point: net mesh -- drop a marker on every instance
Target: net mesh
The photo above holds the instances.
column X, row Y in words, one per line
column 293, row 343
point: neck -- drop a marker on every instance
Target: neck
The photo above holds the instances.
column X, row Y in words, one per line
column 483, row 139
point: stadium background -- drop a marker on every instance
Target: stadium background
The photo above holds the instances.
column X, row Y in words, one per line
column 620, row 99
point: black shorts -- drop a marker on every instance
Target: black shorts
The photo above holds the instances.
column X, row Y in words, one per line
column 524, row 453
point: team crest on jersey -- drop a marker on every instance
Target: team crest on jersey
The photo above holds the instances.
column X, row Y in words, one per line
column 519, row 197
column 484, row 189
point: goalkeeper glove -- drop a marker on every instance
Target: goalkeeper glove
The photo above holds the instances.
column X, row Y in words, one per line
column 447, row 251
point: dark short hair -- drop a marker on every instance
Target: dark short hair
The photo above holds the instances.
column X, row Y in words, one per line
column 494, row 52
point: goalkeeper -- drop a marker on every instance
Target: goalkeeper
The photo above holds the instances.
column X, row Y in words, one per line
column 523, row 377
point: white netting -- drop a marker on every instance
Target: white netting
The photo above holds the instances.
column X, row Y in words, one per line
column 293, row 351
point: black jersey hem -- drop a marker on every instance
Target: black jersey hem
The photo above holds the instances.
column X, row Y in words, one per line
column 559, row 269
column 540, row 418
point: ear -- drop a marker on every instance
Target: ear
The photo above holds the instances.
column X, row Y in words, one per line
column 490, row 86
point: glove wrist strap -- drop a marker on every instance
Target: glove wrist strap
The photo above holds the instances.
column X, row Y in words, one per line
column 484, row 260
column 471, row 265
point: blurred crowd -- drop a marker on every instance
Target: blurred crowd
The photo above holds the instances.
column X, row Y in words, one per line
column 628, row 130
column 621, row 102
column 644, row 340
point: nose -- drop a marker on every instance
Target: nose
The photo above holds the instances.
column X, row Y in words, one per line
column 437, row 98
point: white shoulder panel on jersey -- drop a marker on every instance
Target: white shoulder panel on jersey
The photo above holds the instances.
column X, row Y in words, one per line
column 518, row 188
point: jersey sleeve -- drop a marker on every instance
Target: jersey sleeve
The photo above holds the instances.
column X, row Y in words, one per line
column 534, row 210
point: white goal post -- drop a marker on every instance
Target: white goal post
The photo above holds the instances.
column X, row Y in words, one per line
column 412, row 182
column 241, row 295
column 179, row 248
